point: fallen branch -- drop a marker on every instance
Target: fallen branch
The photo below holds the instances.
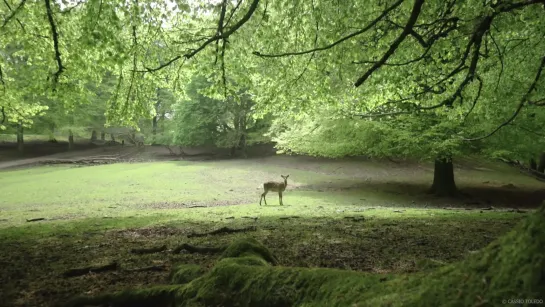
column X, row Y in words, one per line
column 355, row 218
column 198, row 249
column 36, row 219
column 153, row 268
column 222, row 231
column 288, row 217
column 152, row 250
column 96, row 269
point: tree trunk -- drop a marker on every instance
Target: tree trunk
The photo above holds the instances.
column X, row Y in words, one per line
column 155, row 120
column 93, row 136
column 70, row 140
column 533, row 164
column 242, row 144
column 443, row 178
column 20, row 139
column 52, row 133
column 103, row 136
column 541, row 164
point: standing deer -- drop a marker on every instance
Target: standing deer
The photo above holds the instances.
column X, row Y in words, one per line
column 275, row 187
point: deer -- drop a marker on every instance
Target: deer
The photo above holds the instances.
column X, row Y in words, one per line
column 274, row 186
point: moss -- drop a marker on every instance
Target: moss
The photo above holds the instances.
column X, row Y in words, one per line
column 185, row 273
column 161, row 296
column 249, row 247
column 511, row 267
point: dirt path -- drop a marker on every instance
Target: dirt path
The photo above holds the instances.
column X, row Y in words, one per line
column 79, row 154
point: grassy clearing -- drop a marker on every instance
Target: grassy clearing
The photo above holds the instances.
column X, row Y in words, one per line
column 354, row 215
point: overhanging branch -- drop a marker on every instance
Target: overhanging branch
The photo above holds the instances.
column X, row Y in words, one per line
column 523, row 100
column 417, row 7
column 55, row 34
column 214, row 38
column 363, row 30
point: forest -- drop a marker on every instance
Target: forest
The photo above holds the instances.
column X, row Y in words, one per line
column 272, row 153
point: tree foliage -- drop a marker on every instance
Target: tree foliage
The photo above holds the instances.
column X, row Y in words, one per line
column 475, row 65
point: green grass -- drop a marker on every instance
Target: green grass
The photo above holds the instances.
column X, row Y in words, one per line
column 97, row 214
column 167, row 188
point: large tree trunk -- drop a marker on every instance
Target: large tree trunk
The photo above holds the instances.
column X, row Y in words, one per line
column 541, row 164
column 70, row 140
column 93, row 136
column 20, row 139
column 443, row 178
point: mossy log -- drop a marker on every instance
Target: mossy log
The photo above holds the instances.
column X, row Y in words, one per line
column 247, row 274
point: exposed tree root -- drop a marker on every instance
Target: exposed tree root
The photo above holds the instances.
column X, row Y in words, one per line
column 151, row 250
column 91, row 269
column 153, row 268
column 198, row 249
column 222, row 231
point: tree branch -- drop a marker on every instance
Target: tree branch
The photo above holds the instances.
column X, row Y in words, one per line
column 523, row 100
column 406, row 31
column 500, row 55
column 413, row 33
column 55, row 34
column 363, row 30
column 418, row 59
column 214, row 38
column 537, row 103
column 476, row 97
column 13, row 12
column 233, row 13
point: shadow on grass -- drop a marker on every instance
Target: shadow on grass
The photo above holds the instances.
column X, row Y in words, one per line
column 508, row 196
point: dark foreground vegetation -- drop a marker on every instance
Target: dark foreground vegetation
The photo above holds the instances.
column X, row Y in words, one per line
column 248, row 274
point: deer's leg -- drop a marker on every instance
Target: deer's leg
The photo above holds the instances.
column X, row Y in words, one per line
column 264, row 197
column 280, row 197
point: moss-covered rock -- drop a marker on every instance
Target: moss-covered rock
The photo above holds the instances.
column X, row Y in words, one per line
column 249, row 247
column 510, row 267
